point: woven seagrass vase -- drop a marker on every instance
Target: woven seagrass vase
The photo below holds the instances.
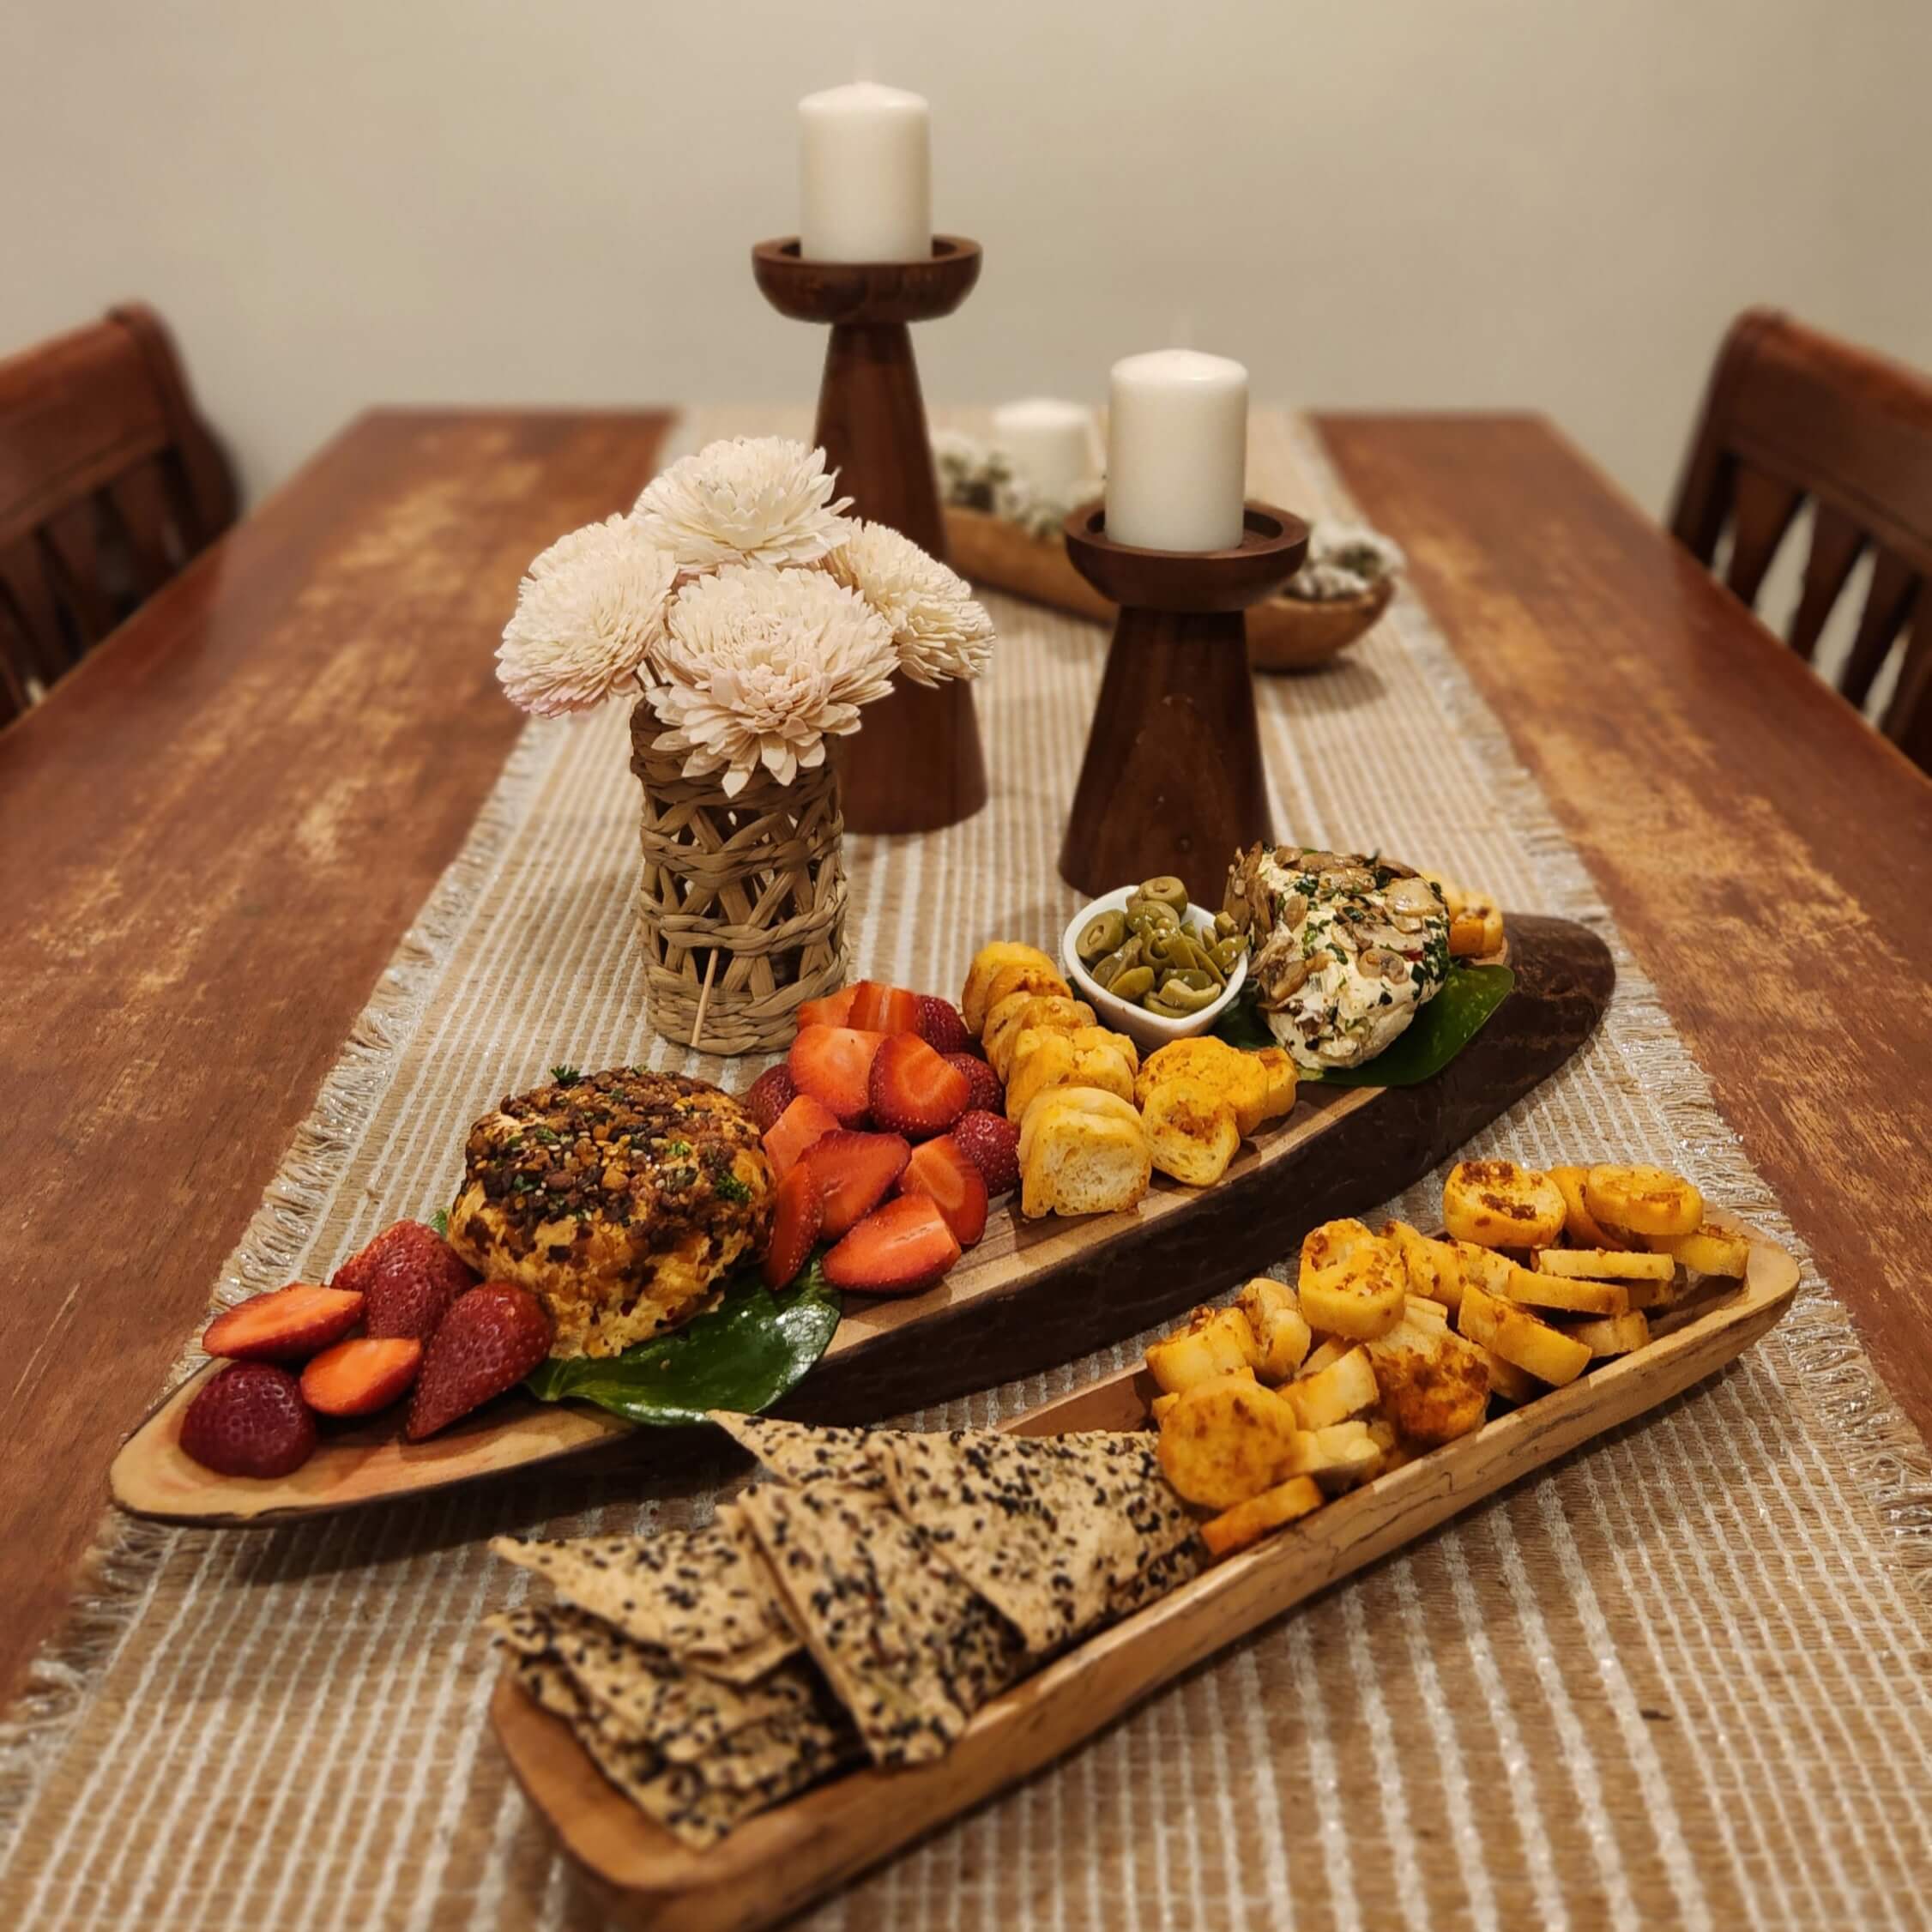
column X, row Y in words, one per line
column 742, row 904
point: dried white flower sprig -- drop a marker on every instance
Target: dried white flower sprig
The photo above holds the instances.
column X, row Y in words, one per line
column 1344, row 560
column 940, row 632
column 589, row 615
column 750, row 499
column 761, row 667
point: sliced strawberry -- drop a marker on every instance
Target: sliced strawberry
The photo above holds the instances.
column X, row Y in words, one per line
column 943, row 1171
column 854, row 1173
column 941, row 1026
column 883, row 1009
column 832, row 1064
column 408, row 1278
column 285, row 1324
column 795, row 1130
column 250, row 1420
column 913, row 1091
column 834, row 1010
column 985, row 1092
column 902, row 1247
column 800, row 1212
column 361, row 1375
column 992, row 1143
column 490, row 1340
column 768, row 1095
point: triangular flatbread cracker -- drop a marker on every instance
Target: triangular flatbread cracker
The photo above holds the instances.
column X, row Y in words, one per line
column 798, row 1453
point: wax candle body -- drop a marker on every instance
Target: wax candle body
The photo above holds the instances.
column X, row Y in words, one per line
column 1176, row 452
column 865, row 175
column 1051, row 444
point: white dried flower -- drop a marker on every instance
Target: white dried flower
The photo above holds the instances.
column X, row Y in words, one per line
column 589, row 614
column 939, row 632
column 758, row 499
column 1344, row 560
column 760, row 666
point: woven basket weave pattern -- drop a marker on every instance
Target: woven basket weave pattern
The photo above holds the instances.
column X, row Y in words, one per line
column 747, row 890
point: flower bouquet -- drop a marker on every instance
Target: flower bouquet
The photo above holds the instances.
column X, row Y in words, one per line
column 753, row 620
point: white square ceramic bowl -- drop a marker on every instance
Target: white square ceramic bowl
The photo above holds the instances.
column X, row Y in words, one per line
column 1147, row 1030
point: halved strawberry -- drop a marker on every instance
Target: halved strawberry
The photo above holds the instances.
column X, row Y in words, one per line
column 883, row 1009
column 834, row 1010
column 804, row 1122
column 800, row 1212
column 407, row 1275
column 285, row 1324
column 943, row 1172
column 992, row 1143
column 768, row 1095
column 986, row 1094
column 853, row 1172
column 490, row 1340
column 360, row 1376
column 902, row 1247
column 250, row 1420
column 832, row 1064
column 913, row 1091
column 941, row 1026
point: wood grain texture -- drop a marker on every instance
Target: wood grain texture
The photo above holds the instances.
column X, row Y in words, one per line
column 213, row 835
column 1766, row 855
column 779, row 1862
column 1029, row 1297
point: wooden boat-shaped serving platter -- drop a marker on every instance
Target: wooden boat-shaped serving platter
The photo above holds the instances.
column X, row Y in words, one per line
column 780, row 1862
column 1030, row 1296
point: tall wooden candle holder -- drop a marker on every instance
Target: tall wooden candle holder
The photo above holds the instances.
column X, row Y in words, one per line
column 917, row 762
column 1172, row 780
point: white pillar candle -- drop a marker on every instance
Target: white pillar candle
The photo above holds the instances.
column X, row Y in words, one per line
column 1051, row 444
column 1176, row 452
column 865, row 175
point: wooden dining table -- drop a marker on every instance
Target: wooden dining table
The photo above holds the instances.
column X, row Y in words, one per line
column 214, row 833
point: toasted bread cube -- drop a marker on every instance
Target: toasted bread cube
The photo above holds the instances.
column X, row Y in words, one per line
column 1477, row 931
column 1274, row 1313
column 1512, row 1384
column 1435, row 1385
column 1423, row 1312
column 1326, row 1248
column 1433, row 1271
column 1518, row 1337
column 1047, row 1012
column 1122, row 1044
column 1497, row 1204
column 1325, row 1355
column 1573, row 1295
column 1081, row 1161
column 1284, row 1078
column 1481, row 1266
column 987, row 962
column 1248, row 1522
column 1073, row 1100
column 1381, row 1431
column 1335, row 1393
column 1216, row 1341
column 1227, row 1439
column 1646, row 1200
column 1605, row 1264
column 1363, row 1297
column 1161, row 1407
column 1026, row 975
column 1614, row 1335
column 1190, row 1131
column 1238, row 1079
column 1347, row 1453
column 1581, row 1226
column 1041, row 1060
column 1710, row 1251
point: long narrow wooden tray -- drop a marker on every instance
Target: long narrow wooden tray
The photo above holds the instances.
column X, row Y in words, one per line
column 779, row 1862
column 1030, row 1296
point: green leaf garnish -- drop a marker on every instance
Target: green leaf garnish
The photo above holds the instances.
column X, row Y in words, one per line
column 1433, row 1037
column 565, row 1076
column 440, row 1222
column 743, row 1353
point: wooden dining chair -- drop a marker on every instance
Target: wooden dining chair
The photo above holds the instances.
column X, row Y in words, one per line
column 110, row 481
column 1792, row 416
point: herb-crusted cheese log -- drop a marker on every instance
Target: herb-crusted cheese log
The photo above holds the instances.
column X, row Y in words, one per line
column 619, row 1199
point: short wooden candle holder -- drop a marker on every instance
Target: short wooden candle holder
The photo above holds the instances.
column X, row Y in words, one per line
column 1172, row 780
column 916, row 764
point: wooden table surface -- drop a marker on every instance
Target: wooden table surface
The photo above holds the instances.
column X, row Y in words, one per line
column 212, row 836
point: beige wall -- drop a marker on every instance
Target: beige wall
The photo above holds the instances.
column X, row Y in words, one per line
column 1420, row 202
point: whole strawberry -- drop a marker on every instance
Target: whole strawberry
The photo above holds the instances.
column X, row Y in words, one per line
column 985, row 1094
column 768, row 1095
column 408, row 1277
column 992, row 1143
column 491, row 1339
column 941, row 1026
column 250, row 1420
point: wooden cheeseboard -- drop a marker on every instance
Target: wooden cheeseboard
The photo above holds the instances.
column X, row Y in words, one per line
column 778, row 1863
column 1030, row 1296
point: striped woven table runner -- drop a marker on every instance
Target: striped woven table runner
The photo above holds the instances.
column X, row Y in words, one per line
column 1683, row 1677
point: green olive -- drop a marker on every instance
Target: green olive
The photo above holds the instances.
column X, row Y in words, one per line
column 1167, row 890
column 1134, row 984
column 1180, row 1000
column 1205, row 959
column 1229, row 953
column 1101, row 934
column 1195, row 980
column 1224, row 925
column 1108, row 969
